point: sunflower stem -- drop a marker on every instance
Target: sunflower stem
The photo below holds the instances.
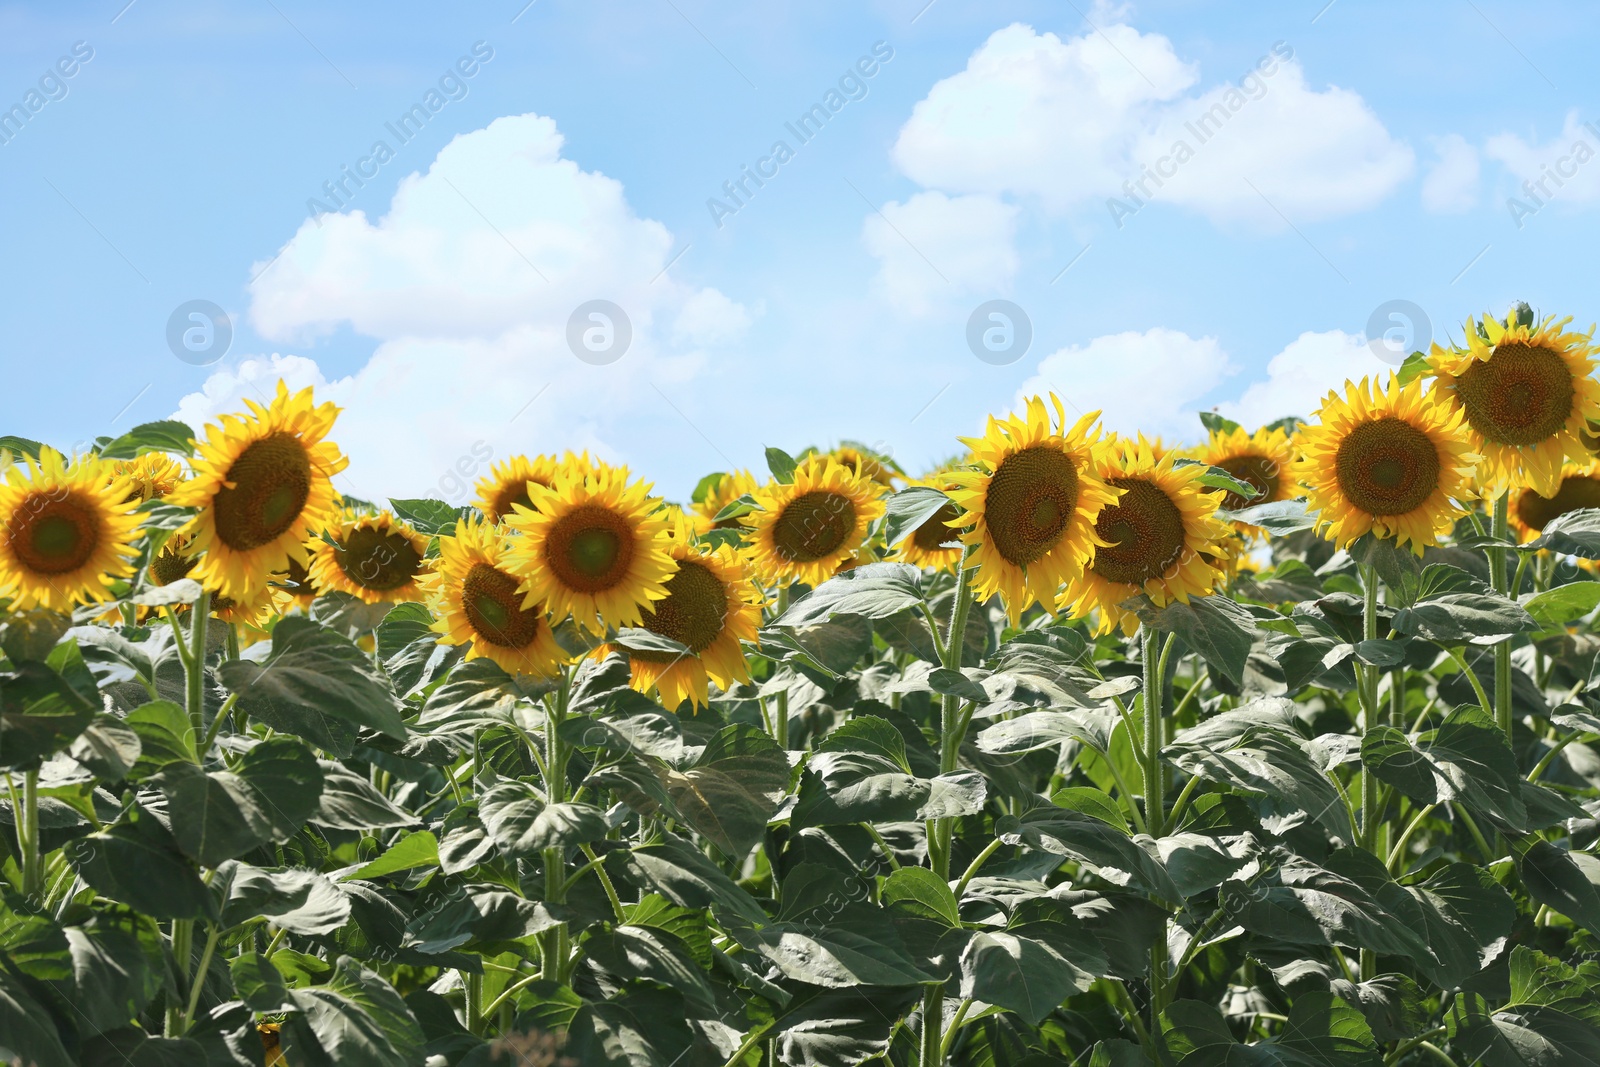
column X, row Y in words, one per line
column 195, row 689
column 1366, row 679
column 27, row 822
column 951, row 722
column 1497, row 578
column 780, row 718
column 1154, row 658
column 932, row 1027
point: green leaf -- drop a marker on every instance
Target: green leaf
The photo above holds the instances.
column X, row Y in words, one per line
column 41, row 712
column 431, row 517
column 138, row 863
column 1554, row 608
column 1322, row 1031
column 1532, row 1036
column 20, row 446
column 637, row 952
column 355, row 1020
column 417, row 849
column 736, row 508
column 523, row 824
column 350, row 802
column 165, row 736
column 1029, row 975
column 1466, row 759
column 1217, row 424
column 1454, row 618
column 1567, row 882
column 1221, row 630
column 166, row 436
column 873, row 590
column 1218, row 478
column 219, row 815
column 638, row 639
column 856, row 946
column 908, row 509
column 684, row 876
column 732, row 789
column 258, row 983
column 1577, row 533
column 26, row 1031
column 918, row 891
column 781, row 464
column 311, row 673
column 1277, row 517
column 1264, row 759
column 1114, row 856
column 111, row 976
column 108, row 748
column 299, row 901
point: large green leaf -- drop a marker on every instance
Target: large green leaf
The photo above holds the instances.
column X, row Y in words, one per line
column 1466, row 759
column 311, row 674
column 857, row 945
column 1568, row 882
column 1265, row 759
column 1454, row 618
column 41, row 709
column 1030, row 969
column 138, row 863
column 523, row 823
column 1222, row 631
column 165, row 736
column 112, row 978
column 355, row 1020
column 1576, row 533
column 218, row 815
column 26, row 1029
column 910, row 508
column 350, row 802
column 300, row 901
column 875, row 590
column 1106, row 849
column 1321, row 1031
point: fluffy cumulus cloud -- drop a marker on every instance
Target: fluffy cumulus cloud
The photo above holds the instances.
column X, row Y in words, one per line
column 468, row 284
column 1561, row 169
column 1069, row 123
column 1452, row 182
column 1156, row 381
column 934, row 247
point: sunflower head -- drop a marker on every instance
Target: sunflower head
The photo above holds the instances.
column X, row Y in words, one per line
column 1531, row 512
column 66, row 531
column 865, row 463
column 803, row 530
column 936, row 542
column 1261, row 460
column 506, row 487
column 1030, row 500
column 150, row 476
column 374, row 557
column 1526, row 394
column 263, row 484
column 1390, row 461
column 1160, row 537
column 475, row 598
column 719, row 493
column 710, row 607
column 592, row 545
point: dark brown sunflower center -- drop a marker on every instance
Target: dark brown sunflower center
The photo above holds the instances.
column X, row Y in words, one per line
column 937, row 531
column 813, row 525
column 374, row 559
column 590, row 549
column 508, row 495
column 54, row 533
column 1387, row 466
column 1029, row 502
column 1260, row 473
column 693, row 613
column 170, row 565
column 490, row 600
column 296, row 580
column 1144, row 532
column 1520, row 395
column 1577, row 491
column 268, row 486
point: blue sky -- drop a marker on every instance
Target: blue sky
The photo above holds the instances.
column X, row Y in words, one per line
column 1373, row 163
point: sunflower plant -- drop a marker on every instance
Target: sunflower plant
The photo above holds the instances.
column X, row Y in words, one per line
column 1277, row 746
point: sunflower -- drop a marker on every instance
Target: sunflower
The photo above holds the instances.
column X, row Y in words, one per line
column 507, row 483
column 174, row 561
column 805, row 529
column 294, row 587
column 710, row 607
column 375, row 557
column 935, row 543
column 1393, row 462
column 592, row 545
column 1526, row 393
column 1031, row 503
column 1531, row 512
column 1160, row 537
column 150, row 476
column 66, row 531
column 249, row 613
column 476, row 600
column 865, row 463
column 1261, row 460
column 263, row 484
column 728, row 487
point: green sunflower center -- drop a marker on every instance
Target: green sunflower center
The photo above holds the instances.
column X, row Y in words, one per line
column 1143, row 530
column 374, row 559
column 813, row 525
column 1520, row 395
column 54, row 533
column 1387, row 466
column 1260, row 473
column 590, row 549
column 1029, row 503
column 936, row 532
column 268, row 486
column 490, row 600
column 693, row 613
column 1576, row 491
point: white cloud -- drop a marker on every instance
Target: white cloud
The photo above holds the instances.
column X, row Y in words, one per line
column 934, row 247
column 1146, row 381
column 1067, row 122
column 1298, row 378
column 468, row 284
column 1452, row 182
column 1560, row 169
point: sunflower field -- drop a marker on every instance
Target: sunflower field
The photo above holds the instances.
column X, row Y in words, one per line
column 1280, row 749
